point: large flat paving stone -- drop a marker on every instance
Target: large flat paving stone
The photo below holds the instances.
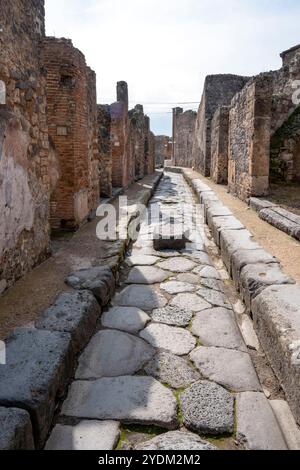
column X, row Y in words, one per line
column 230, row 368
column 255, row 278
column 215, row 298
column 172, row 316
column 87, row 435
column 177, row 265
column 287, row 423
column 39, row 364
column 213, row 284
column 257, row 427
column 176, row 340
column 188, row 278
column 76, row 313
column 276, row 315
column 218, row 327
column 200, row 257
column 129, row 319
column 208, row 408
column 177, row 287
column 112, row 353
column 142, row 260
column 15, row 430
column 208, row 272
column 141, row 400
column 191, row 302
column 144, row 297
column 147, row 275
column 99, row 280
column 172, row 370
column 176, row 440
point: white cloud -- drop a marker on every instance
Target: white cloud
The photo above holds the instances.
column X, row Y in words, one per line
column 164, row 48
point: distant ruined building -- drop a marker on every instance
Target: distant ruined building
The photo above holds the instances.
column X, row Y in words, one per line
column 59, row 151
column 247, row 131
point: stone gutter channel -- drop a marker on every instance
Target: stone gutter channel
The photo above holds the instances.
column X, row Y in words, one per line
column 170, row 360
column 275, row 215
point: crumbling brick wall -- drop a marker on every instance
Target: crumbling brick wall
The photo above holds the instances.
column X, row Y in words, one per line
column 184, row 132
column 218, row 91
column 120, row 138
column 162, row 150
column 249, row 138
column 105, row 153
column 71, row 118
column 24, row 147
column 219, row 145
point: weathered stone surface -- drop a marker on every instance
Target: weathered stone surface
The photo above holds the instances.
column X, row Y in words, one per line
column 259, row 204
column 75, row 313
column 230, row 368
column 172, row 316
column 213, row 284
column 208, row 408
column 248, row 333
column 177, row 265
column 142, row 260
column 176, row 241
column 87, row 435
column 15, row 430
column 176, row 440
column 214, row 209
column 198, row 256
column 288, row 426
column 218, row 224
column 218, row 327
column 99, row 280
column 130, row 319
column 257, row 427
column 281, row 219
column 277, row 324
column 133, row 399
column 234, row 240
column 38, row 367
column 242, row 258
column 177, row 287
column 147, row 275
column 207, row 272
column 188, row 278
column 144, row 297
column 172, row 370
column 112, row 353
column 256, row 277
column 190, row 302
column 176, row 340
column 218, row 299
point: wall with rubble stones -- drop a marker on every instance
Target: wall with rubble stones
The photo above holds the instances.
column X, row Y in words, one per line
column 137, row 141
column 184, row 131
column 71, row 114
column 163, row 150
column 218, row 91
column 104, row 146
column 219, row 145
column 24, row 146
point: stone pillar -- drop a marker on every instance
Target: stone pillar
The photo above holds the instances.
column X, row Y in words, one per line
column 219, row 145
column 105, row 153
column 120, row 138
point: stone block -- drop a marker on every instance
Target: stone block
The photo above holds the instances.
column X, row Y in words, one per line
column 242, row 258
column 233, row 240
column 99, row 280
column 15, row 430
column 258, row 204
column 218, row 224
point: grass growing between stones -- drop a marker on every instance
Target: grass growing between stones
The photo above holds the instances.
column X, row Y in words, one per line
column 128, row 431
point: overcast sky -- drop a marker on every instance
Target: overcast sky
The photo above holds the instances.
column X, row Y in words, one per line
column 165, row 48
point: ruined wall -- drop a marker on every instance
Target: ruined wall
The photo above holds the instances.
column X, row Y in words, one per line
column 219, row 145
column 137, row 141
column 151, row 158
column 24, row 147
column 184, row 132
column 249, row 138
column 285, row 124
column 218, row 91
column 71, row 114
column 163, row 150
column 120, row 138
column 105, row 153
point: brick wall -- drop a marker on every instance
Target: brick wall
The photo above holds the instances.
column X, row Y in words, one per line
column 219, row 145
column 105, row 153
column 184, row 132
column 218, row 91
column 24, row 146
column 120, row 138
column 71, row 114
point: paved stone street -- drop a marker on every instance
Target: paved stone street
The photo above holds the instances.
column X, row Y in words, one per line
column 168, row 368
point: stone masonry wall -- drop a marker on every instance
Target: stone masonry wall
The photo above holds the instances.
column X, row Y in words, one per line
column 71, row 114
column 219, row 145
column 137, row 141
column 162, row 150
column 249, row 138
column 25, row 181
column 184, row 128
column 218, row 91
column 105, row 153
column 151, row 159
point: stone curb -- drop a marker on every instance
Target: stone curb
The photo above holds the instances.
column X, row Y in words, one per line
column 275, row 215
column 271, row 297
column 41, row 359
